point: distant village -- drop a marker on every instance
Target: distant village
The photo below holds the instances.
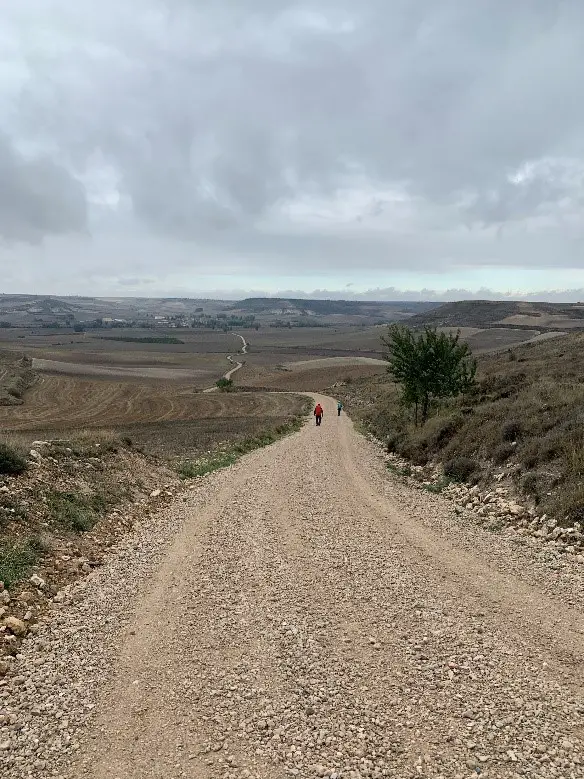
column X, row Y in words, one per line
column 82, row 314
column 51, row 315
column 55, row 317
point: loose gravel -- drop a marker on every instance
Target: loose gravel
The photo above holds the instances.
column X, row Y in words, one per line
column 305, row 614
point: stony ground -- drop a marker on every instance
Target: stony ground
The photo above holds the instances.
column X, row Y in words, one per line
column 305, row 614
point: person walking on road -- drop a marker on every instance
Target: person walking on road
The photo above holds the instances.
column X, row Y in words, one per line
column 318, row 414
column 339, row 408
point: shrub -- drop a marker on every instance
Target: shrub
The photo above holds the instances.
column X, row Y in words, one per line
column 393, row 441
column 568, row 505
column 529, row 483
column 439, row 430
column 511, row 431
column 503, row 452
column 415, row 450
column 461, row 468
column 16, row 386
column 224, row 384
column 574, row 456
column 530, row 454
column 11, row 462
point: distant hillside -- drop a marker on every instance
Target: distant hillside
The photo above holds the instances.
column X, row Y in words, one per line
column 51, row 310
column 466, row 313
column 505, row 313
column 310, row 307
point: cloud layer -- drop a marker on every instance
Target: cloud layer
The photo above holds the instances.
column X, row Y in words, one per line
column 271, row 136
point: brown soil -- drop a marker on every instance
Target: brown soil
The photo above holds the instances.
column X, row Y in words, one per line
column 66, row 403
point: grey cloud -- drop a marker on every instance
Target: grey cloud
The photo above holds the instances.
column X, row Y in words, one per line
column 514, row 201
column 215, row 115
column 444, row 99
column 37, row 197
column 132, row 281
column 432, row 295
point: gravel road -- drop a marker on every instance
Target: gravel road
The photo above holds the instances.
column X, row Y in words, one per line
column 305, row 614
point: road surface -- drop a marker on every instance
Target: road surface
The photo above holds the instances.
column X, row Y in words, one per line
column 316, row 617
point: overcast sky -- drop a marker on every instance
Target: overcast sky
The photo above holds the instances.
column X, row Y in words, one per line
column 190, row 147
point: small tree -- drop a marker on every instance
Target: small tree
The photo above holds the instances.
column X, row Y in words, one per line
column 429, row 365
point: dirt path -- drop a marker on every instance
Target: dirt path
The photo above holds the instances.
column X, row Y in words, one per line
column 243, row 343
column 314, row 618
column 236, row 365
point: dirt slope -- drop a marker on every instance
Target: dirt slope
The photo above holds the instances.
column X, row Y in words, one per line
column 312, row 617
column 308, row 620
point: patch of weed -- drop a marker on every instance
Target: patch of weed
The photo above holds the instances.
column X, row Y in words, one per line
column 16, row 560
column 400, row 470
column 74, row 512
column 190, row 469
column 438, row 486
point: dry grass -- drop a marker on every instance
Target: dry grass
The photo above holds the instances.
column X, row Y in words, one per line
column 16, row 376
column 189, row 469
column 88, row 443
column 526, row 416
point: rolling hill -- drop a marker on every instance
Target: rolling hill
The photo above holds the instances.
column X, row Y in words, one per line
column 498, row 313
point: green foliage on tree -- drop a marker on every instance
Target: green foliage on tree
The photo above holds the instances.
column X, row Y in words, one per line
column 224, row 384
column 429, row 366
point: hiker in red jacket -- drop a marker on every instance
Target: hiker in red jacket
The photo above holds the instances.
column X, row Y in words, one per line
column 318, row 413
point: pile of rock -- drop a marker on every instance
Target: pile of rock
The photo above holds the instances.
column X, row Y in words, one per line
column 496, row 507
column 13, row 629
